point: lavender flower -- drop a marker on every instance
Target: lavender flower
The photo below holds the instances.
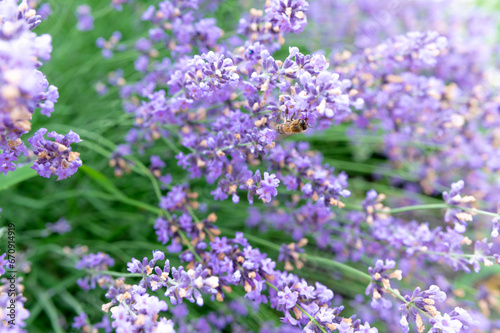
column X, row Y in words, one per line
column 118, row 4
column 380, row 282
column 446, row 324
column 455, row 215
column 95, row 262
column 219, row 100
column 268, row 187
column 287, row 15
column 495, row 230
column 80, row 321
column 481, row 251
column 60, row 227
column 23, row 87
column 55, row 157
column 140, row 312
column 12, row 305
column 111, row 45
column 423, row 301
column 44, row 11
column 84, row 17
column 3, row 263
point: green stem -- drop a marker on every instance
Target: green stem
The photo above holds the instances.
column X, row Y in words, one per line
column 49, row 308
column 438, row 206
column 190, row 246
column 457, row 255
column 474, row 210
column 112, row 273
column 415, row 207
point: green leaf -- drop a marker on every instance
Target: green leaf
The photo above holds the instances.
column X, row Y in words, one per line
column 102, row 181
column 19, row 175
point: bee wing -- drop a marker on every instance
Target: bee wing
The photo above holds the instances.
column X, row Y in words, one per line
column 280, row 137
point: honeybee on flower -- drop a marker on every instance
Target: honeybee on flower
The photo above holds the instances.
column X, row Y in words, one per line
column 290, row 126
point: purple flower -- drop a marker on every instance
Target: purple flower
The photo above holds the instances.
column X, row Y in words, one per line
column 288, row 15
column 456, row 215
column 85, row 19
column 95, row 262
column 268, row 187
column 3, row 263
column 146, row 266
column 24, row 88
column 55, row 157
column 287, row 298
column 495, row 229
column 108, row 46
column 80, row 321
column 446, row 324
column 174, row 199
column 62, row 226
column 481, row 252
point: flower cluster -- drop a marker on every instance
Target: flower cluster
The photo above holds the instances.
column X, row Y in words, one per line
column 108, row 46
column 177, row 27
column 60, row 227
column 95, row 262
column 228, row 263
column 3, row 263
column 55, row 157
column 287, row 15
column 380, row 282
column 216, row 102
column 456, row 215
column 23, row 87
column 430, row 93
column 12, row 311
column 84, row 17
column 423, row 302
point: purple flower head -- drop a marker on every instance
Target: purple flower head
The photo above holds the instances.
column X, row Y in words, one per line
column 190, row 285
column 456, row 215
column 495, row 229
column 24, row 88
column 85, row 19
column 175, row 198
column 482, row 249
column 267, row 188
column 108, row 46
column 80, row 321
column 145, row 267
column 44, row 11
column 95, row 262
column 287, row 298
column 446, row 324
column 124, row 316
column 62, row 226
column 288, row 15
column 156, row 165
column 3, row 262
column 381, row 281
column 55, row 157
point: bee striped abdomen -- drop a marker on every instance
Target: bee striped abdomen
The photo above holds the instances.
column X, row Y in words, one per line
column 289, row 128
column 283, row 129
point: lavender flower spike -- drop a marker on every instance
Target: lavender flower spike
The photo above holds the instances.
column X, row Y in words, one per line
column 55, row 157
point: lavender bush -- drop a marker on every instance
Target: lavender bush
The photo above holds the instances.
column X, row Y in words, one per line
column 192, row 211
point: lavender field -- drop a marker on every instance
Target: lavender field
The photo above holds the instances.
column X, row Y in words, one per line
column 272, row 166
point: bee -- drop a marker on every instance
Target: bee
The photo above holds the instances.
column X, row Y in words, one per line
column 290, row 126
